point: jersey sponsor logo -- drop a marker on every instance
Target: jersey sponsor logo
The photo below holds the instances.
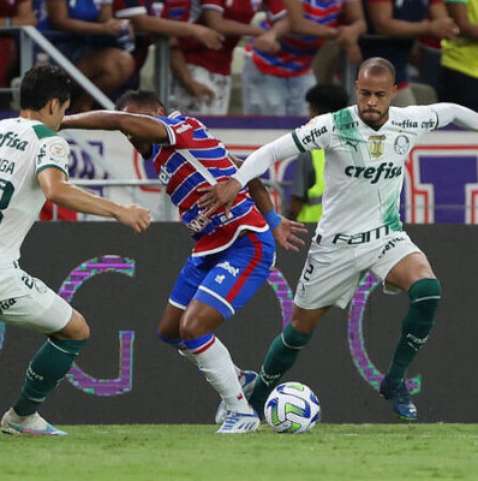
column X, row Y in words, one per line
column 164, row 176
column 11, row 139
column 428, row 124
column 231, row 269
column 390, row 245
column 374, row 174
column 183, row 128
column 5, row 305
column 405, row 124
column 362, row 237
column 401, row 145
column 376, row 145
column 313, row 135
column 198, row 224
column 7, row 166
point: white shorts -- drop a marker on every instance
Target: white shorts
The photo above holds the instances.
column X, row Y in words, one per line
column 182, row 100
column 31, row 303
column 332, row 272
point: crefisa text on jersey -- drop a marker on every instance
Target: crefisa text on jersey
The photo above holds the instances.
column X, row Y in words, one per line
column 11, row 139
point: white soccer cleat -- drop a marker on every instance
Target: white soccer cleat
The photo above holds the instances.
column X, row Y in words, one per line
column 247, row 379
column 239, row 423
column 33, row 425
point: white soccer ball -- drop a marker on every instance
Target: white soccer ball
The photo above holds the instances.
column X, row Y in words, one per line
column 292, row 407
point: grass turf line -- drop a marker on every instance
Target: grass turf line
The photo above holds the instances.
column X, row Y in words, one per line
column 195, row 453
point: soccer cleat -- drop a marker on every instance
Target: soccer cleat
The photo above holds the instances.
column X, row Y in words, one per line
column 33, row 425
column 247, row 380
column 401, row 400
column 239, row 423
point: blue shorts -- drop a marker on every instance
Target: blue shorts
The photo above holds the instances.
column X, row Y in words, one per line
column 226, row 280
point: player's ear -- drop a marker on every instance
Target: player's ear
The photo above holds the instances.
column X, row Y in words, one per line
column 53, row 106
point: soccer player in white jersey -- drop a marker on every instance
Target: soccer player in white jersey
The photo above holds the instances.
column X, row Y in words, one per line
column 34, row 168
column 366, row 148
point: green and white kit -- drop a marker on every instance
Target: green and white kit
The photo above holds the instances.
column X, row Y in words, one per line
column 26, row 148
column 360, row 228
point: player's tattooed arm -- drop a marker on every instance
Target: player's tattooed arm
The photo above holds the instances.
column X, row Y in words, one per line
column 135, row 126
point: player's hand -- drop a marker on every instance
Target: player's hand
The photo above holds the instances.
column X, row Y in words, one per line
column 208, row 37
column 267, row 42
column 134, row 216
column 219, row 195
column 287, row 234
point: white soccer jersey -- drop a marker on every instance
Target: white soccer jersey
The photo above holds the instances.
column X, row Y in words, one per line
column 364, row 169
column 26, row 148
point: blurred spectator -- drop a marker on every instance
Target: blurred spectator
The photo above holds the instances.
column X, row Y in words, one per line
column 167, row 17
column 12, row 13
column 278, row 69
column 202, row 82
column 459, row 76
column 403, row 21
column 309, row 180
column 94, row 41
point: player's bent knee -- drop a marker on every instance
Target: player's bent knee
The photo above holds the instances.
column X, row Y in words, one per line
column 191, row 328
column 77, row 328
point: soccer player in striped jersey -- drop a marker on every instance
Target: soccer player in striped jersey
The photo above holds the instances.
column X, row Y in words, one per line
column 234, row 249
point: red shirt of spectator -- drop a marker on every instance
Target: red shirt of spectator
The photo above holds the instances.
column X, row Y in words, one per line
column 219, row 61
column 8, row 8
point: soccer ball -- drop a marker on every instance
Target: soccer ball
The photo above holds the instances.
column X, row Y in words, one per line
column 292, row 408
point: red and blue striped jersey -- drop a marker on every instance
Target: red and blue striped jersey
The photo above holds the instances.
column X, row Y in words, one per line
column 298, row 51
column 193, row 159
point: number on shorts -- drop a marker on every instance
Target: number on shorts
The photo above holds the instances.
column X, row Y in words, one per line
column 308, row 272
column 7, row 189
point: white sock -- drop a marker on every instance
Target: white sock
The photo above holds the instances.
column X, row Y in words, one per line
column 192, row 358
column 221, row 373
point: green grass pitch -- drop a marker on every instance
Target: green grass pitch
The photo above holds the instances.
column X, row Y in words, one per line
column 195, row 453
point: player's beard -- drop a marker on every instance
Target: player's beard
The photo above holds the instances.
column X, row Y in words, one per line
column 375, row 121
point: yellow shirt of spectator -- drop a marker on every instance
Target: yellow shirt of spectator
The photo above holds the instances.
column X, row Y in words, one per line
column 461, row 54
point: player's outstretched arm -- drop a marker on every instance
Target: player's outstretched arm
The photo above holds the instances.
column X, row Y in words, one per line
column 224, row 193
column 137, row 126
column 57, row 189
column 448, row 113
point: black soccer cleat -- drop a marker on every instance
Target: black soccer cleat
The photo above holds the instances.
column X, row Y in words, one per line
column 401, row 401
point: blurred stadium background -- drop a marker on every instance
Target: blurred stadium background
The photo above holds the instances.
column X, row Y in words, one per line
column 125, row 376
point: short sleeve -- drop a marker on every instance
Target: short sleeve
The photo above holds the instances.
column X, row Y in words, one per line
column 275, row 10
column 314, row 134
column 215, row 5
column 53, row 152
column 129, row 8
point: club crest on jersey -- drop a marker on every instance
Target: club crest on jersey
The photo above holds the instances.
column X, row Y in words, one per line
column 401, row 145
column 376, row 145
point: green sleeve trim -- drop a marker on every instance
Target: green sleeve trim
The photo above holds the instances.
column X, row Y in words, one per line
column 43, row 131
column 297, row 142
column 50, row 166
column 457, row 1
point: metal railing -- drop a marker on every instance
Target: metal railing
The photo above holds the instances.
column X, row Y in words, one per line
column 30, row 38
